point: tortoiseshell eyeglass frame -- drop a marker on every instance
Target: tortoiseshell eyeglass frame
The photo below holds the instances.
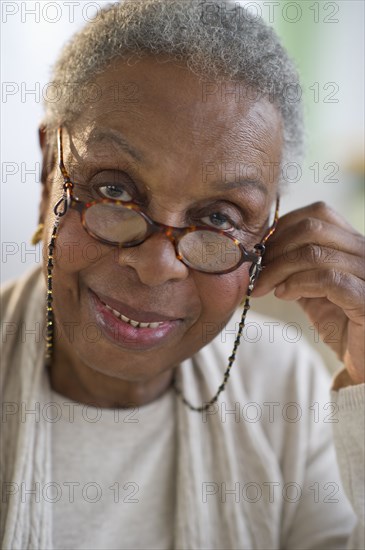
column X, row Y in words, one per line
column 175, row 234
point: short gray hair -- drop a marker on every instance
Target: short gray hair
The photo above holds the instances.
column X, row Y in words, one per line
column 216, row 40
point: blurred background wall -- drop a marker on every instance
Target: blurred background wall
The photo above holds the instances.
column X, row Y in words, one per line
column 326, row 39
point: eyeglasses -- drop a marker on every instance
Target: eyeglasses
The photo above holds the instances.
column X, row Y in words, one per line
column 125, row 224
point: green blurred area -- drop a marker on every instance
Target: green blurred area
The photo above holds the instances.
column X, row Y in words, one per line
column 326, row 42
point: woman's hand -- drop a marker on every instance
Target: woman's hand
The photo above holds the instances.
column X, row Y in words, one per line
column 317, row 258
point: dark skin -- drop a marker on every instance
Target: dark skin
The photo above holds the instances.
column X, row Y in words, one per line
column 177, row 136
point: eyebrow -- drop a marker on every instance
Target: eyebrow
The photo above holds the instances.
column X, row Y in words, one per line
column 240, row 183
column 101, row 134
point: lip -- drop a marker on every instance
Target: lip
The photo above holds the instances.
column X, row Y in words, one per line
column 131, row 313
column 125, row 335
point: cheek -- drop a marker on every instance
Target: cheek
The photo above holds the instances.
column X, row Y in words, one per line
column 76, row 253
column 220, row 297
column 75, row 249
column 225, row 292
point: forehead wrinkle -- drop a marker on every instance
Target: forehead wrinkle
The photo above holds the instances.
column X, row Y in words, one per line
column 98, row 135
column 246, row 141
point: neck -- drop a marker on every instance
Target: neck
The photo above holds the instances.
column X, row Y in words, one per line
column 79, row 382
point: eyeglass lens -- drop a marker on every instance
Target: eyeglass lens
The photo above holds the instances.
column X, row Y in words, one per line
column 204, row 250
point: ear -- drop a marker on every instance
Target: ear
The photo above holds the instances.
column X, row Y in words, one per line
column 48, row 165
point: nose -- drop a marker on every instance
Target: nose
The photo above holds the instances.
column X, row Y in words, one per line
column 155, row 261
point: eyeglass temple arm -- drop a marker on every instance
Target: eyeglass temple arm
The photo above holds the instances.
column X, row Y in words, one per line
column 256, row 266
column 60, row 156
column 272, row 228
column 260, row 247
column 65, row 200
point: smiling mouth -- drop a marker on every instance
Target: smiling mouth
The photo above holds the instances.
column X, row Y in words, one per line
column 133, row 322
column 135, row 317
column 133, row 329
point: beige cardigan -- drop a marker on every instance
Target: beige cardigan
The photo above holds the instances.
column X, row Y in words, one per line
column 277, row 379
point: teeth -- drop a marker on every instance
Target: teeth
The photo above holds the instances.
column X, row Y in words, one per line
column 132, row 321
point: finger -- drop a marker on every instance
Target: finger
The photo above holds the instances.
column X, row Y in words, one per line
column 316, row 231
column 319, row 210
column 342, row 289
column 307, row 258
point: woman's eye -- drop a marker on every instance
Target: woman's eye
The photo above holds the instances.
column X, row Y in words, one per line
column 116, row 192
column 218, row 220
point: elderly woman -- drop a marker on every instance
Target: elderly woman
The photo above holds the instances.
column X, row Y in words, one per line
column 122, row 427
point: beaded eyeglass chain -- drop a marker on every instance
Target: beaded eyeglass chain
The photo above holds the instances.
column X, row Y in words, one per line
column 60, row 210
